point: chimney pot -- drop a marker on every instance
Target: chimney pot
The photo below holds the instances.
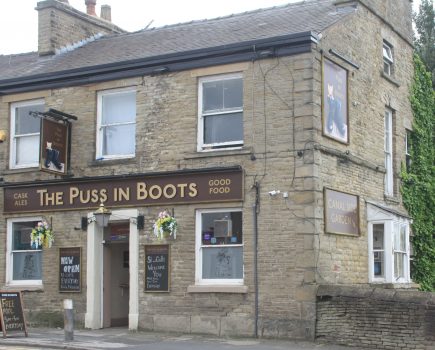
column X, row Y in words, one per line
column 90, row 7
column 106, row 13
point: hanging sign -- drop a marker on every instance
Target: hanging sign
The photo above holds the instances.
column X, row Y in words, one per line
column 54, row 147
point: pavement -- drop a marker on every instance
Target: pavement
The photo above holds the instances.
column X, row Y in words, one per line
column 121, row 338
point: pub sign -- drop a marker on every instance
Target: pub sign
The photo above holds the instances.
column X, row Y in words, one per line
column 341, row 212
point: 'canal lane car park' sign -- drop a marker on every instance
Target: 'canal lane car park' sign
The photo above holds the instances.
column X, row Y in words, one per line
column 220, row 185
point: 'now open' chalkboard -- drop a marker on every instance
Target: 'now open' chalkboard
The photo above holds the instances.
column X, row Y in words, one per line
column 11, row 313
column 157, row 268
column 69, row 269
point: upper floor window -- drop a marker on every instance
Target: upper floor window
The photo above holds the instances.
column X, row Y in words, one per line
column 116, row 125
column 408, row 149
column 219, row 247
column 25, row 133
column 388, row 58
column 388, row 151
column 220, row 107
column 23, row 263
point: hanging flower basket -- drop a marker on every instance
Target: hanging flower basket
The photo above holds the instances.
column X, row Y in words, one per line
column 165, row 226
column 42, row 236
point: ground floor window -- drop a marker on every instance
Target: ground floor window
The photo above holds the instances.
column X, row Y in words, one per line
column 24, row 264
column 219, row 246
column 389, row 247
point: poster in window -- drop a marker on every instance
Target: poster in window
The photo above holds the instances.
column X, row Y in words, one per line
column 54, row 147
column 335, row 101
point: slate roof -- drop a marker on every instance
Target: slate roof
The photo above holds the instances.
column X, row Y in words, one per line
column 306, row 16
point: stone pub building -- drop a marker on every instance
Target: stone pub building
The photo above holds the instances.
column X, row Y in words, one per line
column 275, row 138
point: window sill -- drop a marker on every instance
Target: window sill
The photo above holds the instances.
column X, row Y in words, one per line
column 19, row 288
column 19, row 170
column 390, row 79
column 220, row 153
column 116, row 161
column 397, row 285
column 217, row 289
column 391, row 199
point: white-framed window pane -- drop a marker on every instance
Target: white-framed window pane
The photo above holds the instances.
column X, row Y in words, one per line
column 118, row 108
column 25, row 131
column 221, row 95
column 220, row 121
column 27, row 265
column 25, row 123
column 119, row 139
column 26, row 262
column 117, row 123
column 378, row 250
column 27, row 149
column 388, row 141
column 223, row 128
column 387, row 68
column 222, row 263
column 387, row 52
column 221, row 242
column 399, row 265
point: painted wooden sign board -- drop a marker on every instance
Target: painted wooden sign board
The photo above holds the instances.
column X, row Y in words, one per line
column 11, row 313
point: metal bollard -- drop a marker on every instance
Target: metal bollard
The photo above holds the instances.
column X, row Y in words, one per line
column 68, row 319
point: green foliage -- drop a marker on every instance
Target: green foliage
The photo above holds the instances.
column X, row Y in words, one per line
column 425, row 41
column 418, row 187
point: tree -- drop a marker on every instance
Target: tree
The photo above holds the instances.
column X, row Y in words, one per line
column 425, row 41
column 418, row 187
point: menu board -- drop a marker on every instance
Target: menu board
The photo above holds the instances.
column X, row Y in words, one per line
column 69, row 269
column 11, row 313
column 157, row 268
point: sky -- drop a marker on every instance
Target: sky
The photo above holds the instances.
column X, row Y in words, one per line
column 19, row 19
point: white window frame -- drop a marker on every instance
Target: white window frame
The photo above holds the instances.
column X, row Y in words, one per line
column 99, row 138
column 388, row 58
column 207, row 147
column 13, row 148
column 198, row 250
column 391, row 226
column 388, row 152
column 9, row 255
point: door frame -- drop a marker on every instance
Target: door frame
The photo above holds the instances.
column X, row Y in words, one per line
column 94, row 268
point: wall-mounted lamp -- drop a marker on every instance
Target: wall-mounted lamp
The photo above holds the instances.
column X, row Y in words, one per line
column 102, row 216
column 3, row 136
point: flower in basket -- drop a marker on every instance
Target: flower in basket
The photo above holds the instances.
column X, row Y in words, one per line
column 42, row 236
column 165, row 225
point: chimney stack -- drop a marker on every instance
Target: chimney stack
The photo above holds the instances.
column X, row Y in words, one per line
column 90, row 7
column 106, row 13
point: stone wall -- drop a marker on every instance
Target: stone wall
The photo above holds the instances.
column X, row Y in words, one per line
column 277, row 120
column 376, row 318
column 359, row 168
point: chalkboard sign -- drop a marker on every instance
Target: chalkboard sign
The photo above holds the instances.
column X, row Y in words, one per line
column 69, row 269
column 157, row 268
column 11, row 313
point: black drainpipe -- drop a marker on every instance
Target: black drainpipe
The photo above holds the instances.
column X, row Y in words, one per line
column 255, row 216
